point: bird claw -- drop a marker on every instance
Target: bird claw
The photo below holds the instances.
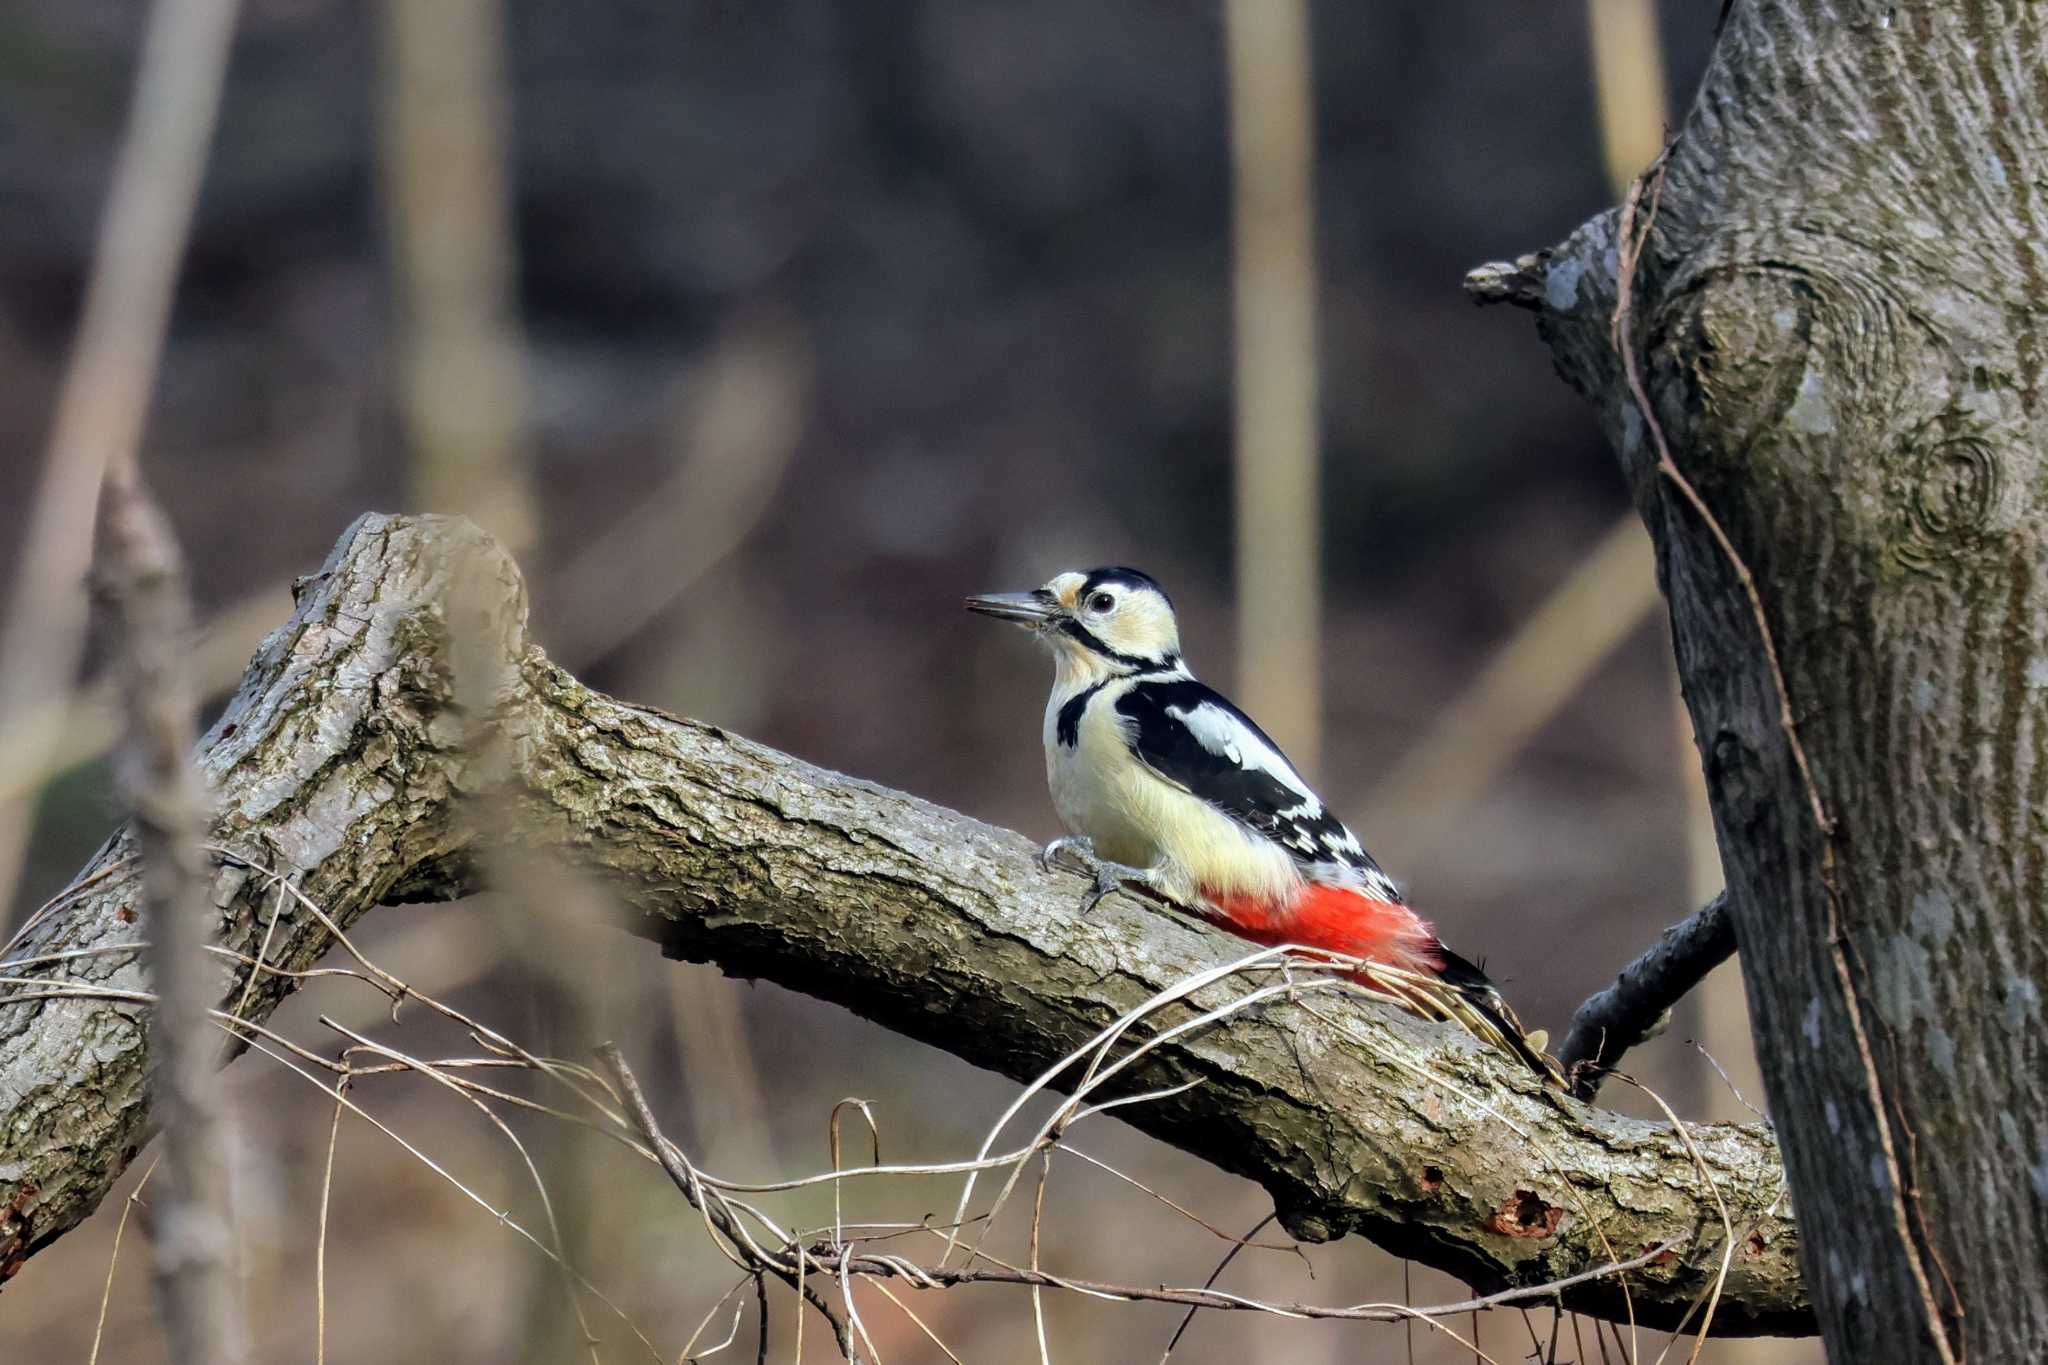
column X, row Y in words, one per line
column 1080, row 846
column 1076, row 853
column 1106, row 881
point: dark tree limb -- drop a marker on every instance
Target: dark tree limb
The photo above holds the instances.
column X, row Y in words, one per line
column 1631, row 1011
column 341, row 762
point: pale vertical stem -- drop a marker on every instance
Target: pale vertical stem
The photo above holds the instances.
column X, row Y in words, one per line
column 94, row 437
column 1272, row 155
column 1416, row 802
column 1628, row 84
column 105, row 393
column 551, row 918
column 141, row 575
column 445, row 129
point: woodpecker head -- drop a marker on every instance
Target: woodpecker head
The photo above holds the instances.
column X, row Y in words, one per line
column 1102, row 621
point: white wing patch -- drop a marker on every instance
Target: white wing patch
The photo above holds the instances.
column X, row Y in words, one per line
column 1199, row 742
column 1222, row 733
column 1329, row 851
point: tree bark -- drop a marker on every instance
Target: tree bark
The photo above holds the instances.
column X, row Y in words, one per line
column 342, row 762
column 1837, row 323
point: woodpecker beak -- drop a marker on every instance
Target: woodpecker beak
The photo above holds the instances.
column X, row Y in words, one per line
column 1033, row 609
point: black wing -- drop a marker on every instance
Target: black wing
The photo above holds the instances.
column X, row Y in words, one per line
column 1192, row 736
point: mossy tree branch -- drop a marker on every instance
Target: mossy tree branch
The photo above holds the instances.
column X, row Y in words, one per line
column 342, row 761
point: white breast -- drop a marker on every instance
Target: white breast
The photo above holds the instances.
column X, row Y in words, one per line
column 1090, row 779
column 1134, row 816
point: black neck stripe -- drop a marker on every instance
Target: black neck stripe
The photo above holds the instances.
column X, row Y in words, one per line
column 1092, row 641
column 1068, row 728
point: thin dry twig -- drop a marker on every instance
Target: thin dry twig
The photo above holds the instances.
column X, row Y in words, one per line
column 1037, row 1221
column 690, row 1352
column 114, row 867
column 320, row 1244
column 262, row 1039
column 847, row 1253
column 502, row 1217
column 692, row 1188
column 1293, row 1248
column 874, row 1131
column 918, row 1322
column 1216, row 1275
column 97, row 429
column 562, row 1256
column 941, row 1276
column 128, row 1206
column 853, row 1317
column 1713, row 1296
column 1098, row 1048
column 1727, row 1080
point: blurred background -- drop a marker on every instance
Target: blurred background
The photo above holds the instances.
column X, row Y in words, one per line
column 764, row 332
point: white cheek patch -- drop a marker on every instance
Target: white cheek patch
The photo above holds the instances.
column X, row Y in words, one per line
column 1146, row 623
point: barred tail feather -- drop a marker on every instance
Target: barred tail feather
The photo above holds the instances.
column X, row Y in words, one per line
column 1485, row 1000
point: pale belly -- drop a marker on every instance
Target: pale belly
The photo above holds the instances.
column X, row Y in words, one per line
column 1093, row 803
column 1134, row 816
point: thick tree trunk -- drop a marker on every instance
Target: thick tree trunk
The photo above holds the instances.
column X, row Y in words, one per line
column 344, row 759
column 1837, row 320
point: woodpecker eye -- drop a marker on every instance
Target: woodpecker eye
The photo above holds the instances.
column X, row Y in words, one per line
column 1102, row 601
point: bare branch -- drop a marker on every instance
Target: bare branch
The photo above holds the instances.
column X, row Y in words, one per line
column 141, row 578
column 337, row 766
column 1518, row 283
column 1631, row 1011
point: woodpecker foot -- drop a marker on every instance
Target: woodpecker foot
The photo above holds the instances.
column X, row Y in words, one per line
column 1082, row 847
column 1076, row 853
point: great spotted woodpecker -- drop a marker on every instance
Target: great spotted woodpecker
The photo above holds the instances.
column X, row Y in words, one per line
column 1165, row 784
